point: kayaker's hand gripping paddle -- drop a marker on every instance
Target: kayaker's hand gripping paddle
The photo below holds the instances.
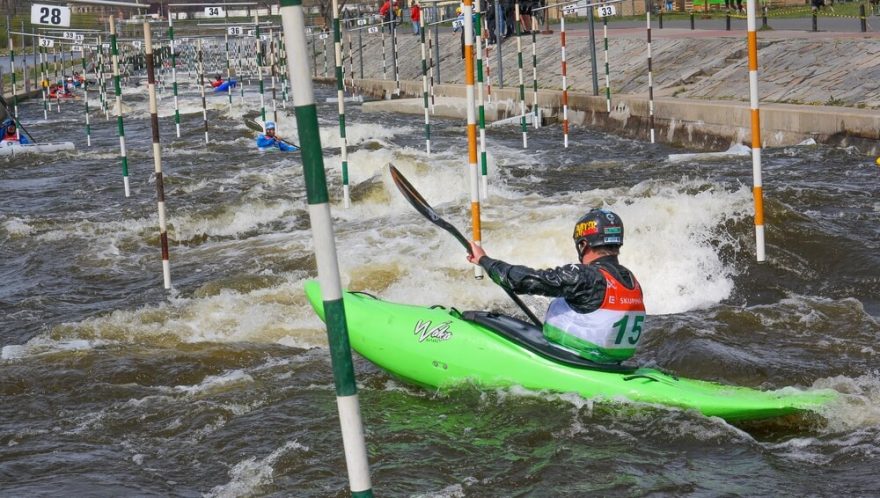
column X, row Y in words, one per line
column 412, row 195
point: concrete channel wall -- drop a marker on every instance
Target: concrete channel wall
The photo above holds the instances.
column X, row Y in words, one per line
column 700, row 124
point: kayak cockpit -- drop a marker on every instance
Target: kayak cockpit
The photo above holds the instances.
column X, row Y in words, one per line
column 532, row 338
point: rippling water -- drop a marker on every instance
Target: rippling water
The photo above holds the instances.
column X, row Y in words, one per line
column 112, row 386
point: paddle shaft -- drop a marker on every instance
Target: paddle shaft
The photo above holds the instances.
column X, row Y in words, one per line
column 417, row 201
column 15, row 119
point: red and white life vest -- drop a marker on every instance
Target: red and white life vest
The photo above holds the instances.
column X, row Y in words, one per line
column 610, row 333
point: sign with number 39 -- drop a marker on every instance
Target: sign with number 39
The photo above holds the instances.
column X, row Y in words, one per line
column 53, row 15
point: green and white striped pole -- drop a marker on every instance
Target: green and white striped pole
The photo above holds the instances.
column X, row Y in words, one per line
column 522, row 88
column 292, row 21
column 157, row 153
column 117, row 87
column 484, row 167
column 174, row 74
column 340, row 97
column 425, row 86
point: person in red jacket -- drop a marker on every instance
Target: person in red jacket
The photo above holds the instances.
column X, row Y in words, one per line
column 415, row 13
column 217, row 82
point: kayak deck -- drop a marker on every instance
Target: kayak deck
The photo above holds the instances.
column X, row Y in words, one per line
column 438, row 348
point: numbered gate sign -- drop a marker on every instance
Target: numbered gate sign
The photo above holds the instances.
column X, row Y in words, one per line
column 234, row 30
column 70, row 35
column 76, row 48
column 105, row 46
column 456, row 24
column 137, row 44
column 324, row 36
column 569, row 9
column 214, row 12
column 606, row 10
column 47, row 42
column 373, row 29
column 80, row 38
column 251, row 32
column 362, row 22
column 53, row 15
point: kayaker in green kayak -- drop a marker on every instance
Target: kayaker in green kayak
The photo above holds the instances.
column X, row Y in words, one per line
column 598, row 311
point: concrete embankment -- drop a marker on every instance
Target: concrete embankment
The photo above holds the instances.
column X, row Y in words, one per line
column 701, row 85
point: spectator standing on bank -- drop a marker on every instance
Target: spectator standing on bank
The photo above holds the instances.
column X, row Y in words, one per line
column 415, row 13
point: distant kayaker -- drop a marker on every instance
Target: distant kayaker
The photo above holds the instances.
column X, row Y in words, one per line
column 10, row 134
column 217, row 82
column 268, row 140
column 598, row 311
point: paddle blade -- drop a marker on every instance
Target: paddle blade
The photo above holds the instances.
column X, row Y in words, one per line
column 417, row 201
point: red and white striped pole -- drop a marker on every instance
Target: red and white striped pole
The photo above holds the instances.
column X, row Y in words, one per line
column 564, row 82
column 650, row 78
column 157, row 153
column 758, row 188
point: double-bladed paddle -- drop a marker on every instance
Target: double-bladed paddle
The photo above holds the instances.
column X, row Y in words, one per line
column 256, row 127
column 14, row 120
column 417, row 201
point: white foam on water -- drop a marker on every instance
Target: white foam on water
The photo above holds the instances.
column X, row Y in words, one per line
column 247, row 476
column 217, row 383
column 17, row 227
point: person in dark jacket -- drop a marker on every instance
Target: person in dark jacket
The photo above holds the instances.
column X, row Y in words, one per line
column 598, row 310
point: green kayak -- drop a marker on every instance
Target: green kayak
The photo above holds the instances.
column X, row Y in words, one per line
column 439, row 348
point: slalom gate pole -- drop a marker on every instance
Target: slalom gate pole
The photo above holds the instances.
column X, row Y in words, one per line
column 361, row 51
column 174, row 75
column 228, row 73
column 535, row 112
column 157, row 153
column 564, row 82
column 607, row 71
column 292, row 21
column 758, row 186
column 259, row 46
column 487, row 57
column 102, row 80
column 44, row 82
column 324, row 41
column 650, row 77
column 201, row 71
column 55, row 77
column 431, row 72
column 395, row 54
column 472, row 126
column 117, row 87
column 522, row 88
column 384, row 64
column 85, row 86
column 350, row 62
column 484, row 168
column 273, row 67
column 340, row 98
column 282, row 67
column 14, row 91
column 425, row 104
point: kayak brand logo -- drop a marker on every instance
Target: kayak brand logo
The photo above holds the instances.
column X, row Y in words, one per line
column 439, row 333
